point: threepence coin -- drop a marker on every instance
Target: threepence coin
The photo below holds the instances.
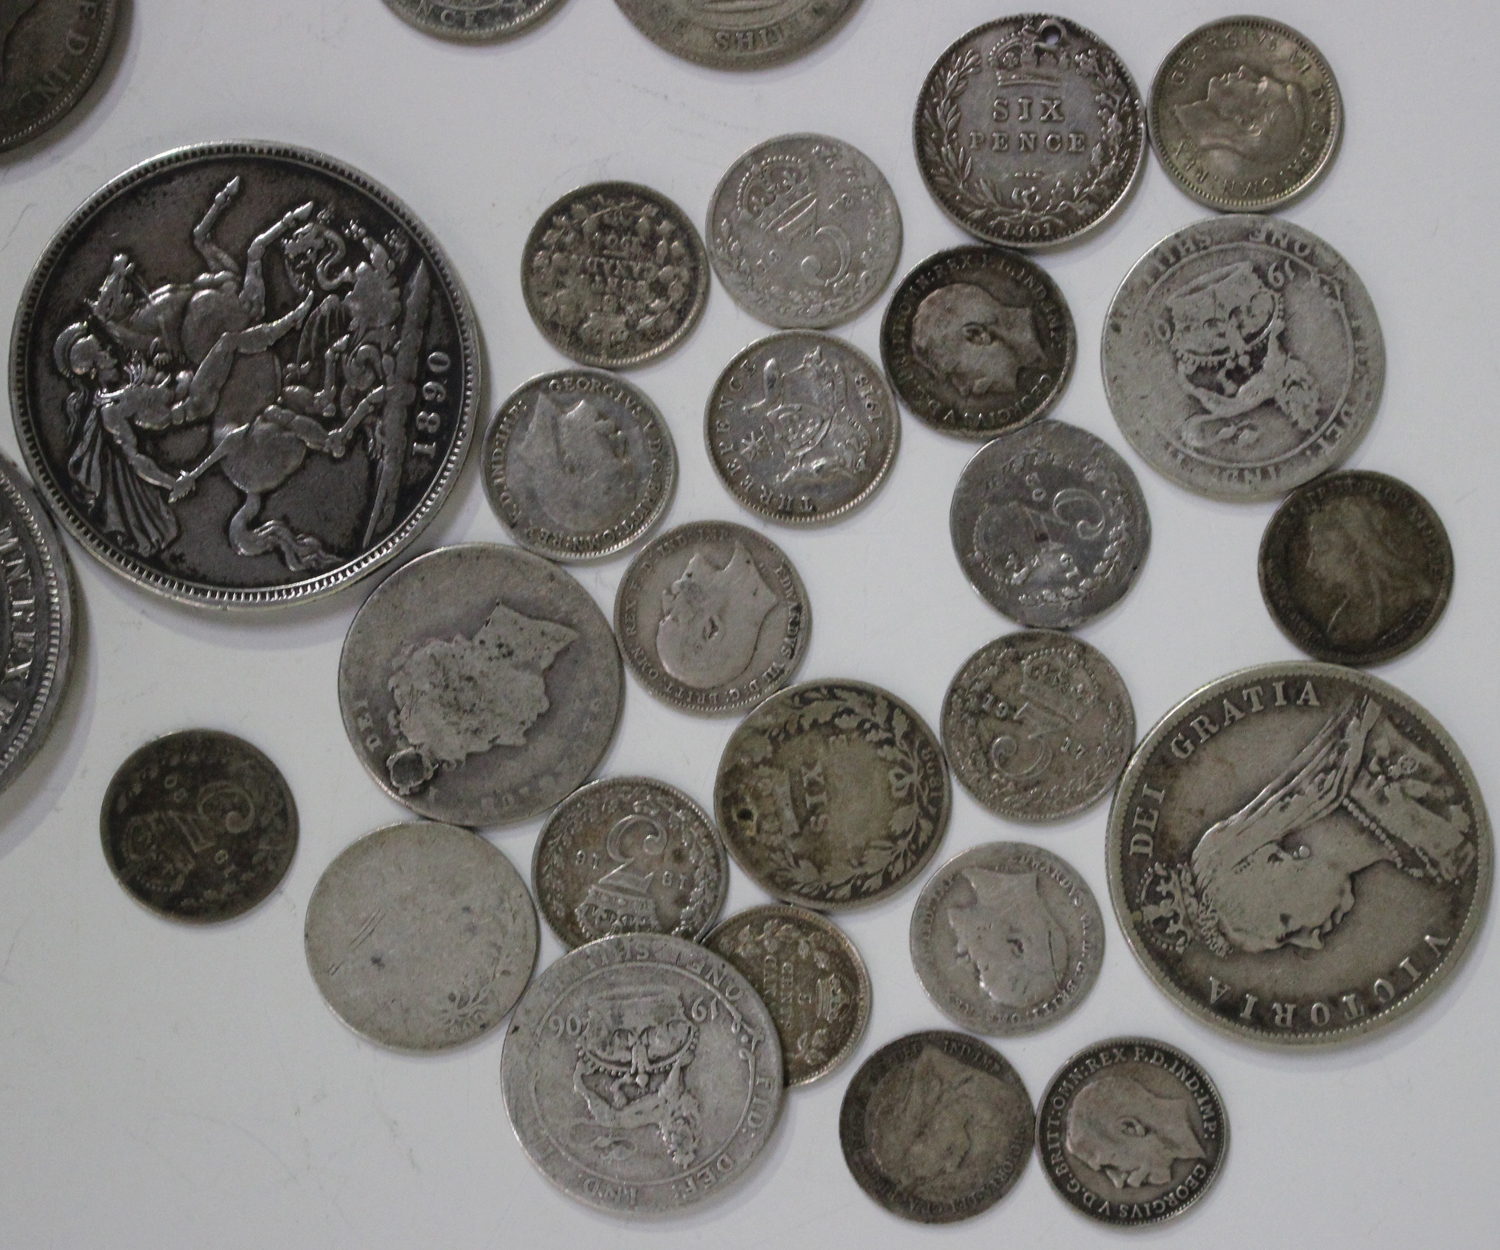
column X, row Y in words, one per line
column 1242, row 357
column 1298, row 854
column 1131, row 1132
column 629, row 855
column 578, row 464
column 810, row 977
column 472, row 20
column 480, row 684
column 642, row 1074
column 978, row 341
column 1049, row 525
column 736, row 34
column 614, row 275
column 804, row 231
column 1356, row 567
column 711, row 617
column 198, row 826
column 936, row 1127
column 243, row 374
column 53, row 50
column 1007, row 939
column 1029, row 130
column 421, row 936
column 802, row 427
column 832, row 794
column 1245, row 114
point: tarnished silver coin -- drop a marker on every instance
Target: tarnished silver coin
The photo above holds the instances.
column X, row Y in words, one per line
column 811, row 978
column 978, row 341
column 642, row 1074
column 614, row 275
column 1131, row 1132
column 736, row 34
column 1007, row 938
column 1245, row 114
column 804, row 231
column 832, row 794
column 472, row 20
column 1242, row 357
column 1029, row 130
column 244, row 374
column 1299, row 855
column 198, row 826
column 936, row 1127
column 52, row 50
column 480, row 684
column 802, row 427
column 629, row 855
column 1356, row 567
column 1049, row 525
column 711, row 617
column 1038, row 725
column 421, row 936
column 578, row 464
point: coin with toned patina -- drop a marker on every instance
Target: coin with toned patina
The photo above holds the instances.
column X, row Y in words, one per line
column 472, row 20
column 1356, row 567
column 936, row 1127
column 711, row 617
column 52, row 50
column 578, row 464
column 614, row 275
column 736, row 34
column 978, row 341
column 642, row 1074
column 1299, row 855
column 1242, row 357
column 1029, row 131
column 198, row 826
column 421, row 936
column 833, row 794
column 1245, row 114
column 802, row 427
column 480, row 684
column 811, row 978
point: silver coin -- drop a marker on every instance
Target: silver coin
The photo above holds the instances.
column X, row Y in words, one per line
column 736, row 34
column 629, row 855
column 53, row 50
column 642, row 1074
column 1029, row 131
column 472, row 20
column 711, row 617
column 578, row 464
column 1007, row 939
column 804, row 231
column 244, row 374
column 1299, row 855
column 421, row 936
column 1242, row 357
column 1049, row 525
column 802, row 427
column 479, row 685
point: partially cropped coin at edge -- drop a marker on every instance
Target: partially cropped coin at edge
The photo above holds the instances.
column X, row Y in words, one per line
column 737, row 35
column 472, row 21
column 54, row 50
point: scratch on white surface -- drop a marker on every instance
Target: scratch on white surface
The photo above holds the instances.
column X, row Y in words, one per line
column 11, row 949
column 393, row 1126
column 16, row 225
column 291, row 1172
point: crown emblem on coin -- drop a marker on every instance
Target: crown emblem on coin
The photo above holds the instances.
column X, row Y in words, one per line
column 776, row 191
column 1031, row 57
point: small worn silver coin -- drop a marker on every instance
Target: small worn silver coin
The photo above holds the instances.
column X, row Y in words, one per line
column 421, row 936
column 736, row 34
column 53, row 50
column 472, row 20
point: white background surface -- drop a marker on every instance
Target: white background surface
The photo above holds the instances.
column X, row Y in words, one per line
column 175, row 1087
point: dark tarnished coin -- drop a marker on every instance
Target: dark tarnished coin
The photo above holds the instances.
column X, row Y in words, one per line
column 936, row 1127
column 811, row 978
column 832, row 794
column 480, row 684
column 1299, row 855
column 1245, row 114
column 1029, row 130
column 736, row 34
column 421, row 936
column 1037, row 725
column 244, row 374
column 978, row 341
column 472, row 20
column 614, row 275
column 1131, row 1132
column 629, row 855
column 578, row 464
column 1049, row 525
column 711, row 617
column 1356, row 567
column 50, row 53
column 198, row 826
column 802, row 427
